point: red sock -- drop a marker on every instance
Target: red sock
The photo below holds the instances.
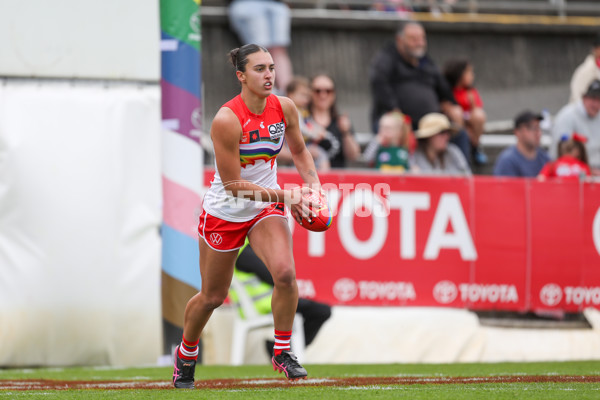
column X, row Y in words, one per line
column 188, row 350
column 282, row 341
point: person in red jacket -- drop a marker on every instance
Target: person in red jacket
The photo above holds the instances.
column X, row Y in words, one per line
column 461, row 76
column 572, row 159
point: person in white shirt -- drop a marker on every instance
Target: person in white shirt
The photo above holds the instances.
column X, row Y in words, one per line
column 582, row 117
column 586, row 72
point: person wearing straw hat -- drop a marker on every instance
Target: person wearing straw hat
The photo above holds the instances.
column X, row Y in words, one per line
column 435, row 154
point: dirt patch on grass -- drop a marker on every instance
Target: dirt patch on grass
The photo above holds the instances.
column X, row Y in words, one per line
column 43, row 384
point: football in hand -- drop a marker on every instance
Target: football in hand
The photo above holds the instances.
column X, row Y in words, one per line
column 322, row 221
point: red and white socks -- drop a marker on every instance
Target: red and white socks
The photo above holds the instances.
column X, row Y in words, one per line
column 282, row 341
column 188, row 350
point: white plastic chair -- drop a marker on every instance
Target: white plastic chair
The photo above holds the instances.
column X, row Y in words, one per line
column 253, row 320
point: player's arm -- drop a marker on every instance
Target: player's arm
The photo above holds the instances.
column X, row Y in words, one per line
column 226, row 133
column 300, row 155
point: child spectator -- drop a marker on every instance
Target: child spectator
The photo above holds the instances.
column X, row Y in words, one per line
column 572, row 159
column 388, row 151
column 460, row 75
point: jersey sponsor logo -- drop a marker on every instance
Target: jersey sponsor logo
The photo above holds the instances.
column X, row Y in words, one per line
column 262, row 124
column 245, row 137
column 276, row 130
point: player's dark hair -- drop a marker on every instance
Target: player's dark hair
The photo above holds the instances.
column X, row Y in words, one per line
column 239, row 56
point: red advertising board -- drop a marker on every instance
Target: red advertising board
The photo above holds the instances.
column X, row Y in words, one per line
column 483, row 243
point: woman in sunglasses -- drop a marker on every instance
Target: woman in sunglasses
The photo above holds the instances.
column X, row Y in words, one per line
column 339, row 141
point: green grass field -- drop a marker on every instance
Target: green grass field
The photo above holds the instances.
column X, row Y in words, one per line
column 506, row 390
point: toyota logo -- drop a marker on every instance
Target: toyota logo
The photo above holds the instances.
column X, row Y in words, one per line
column 345, row 289
column 215, row 238
column 551, row 294
column 445, row 292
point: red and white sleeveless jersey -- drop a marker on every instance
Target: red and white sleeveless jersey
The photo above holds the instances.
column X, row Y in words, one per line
column 262, row 139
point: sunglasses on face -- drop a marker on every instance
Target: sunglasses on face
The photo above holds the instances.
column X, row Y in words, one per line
column 323, row 90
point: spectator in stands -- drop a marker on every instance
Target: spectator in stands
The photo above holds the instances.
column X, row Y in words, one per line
column 399, row 6
column 339, row 141
column 404, row 78
column 460, row 75
column 586, row 72
column 388, row 151
column 572, row 160
column 435, row 154
column 313, row 313
column 582, row 117
column 526, row 158
column 436, row 7
column 298, row 90
column 267, row 24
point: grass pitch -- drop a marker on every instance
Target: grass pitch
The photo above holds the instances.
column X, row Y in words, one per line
column 414, row 381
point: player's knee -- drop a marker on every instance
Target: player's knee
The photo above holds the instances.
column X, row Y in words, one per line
column 284, row 276
column 214, row 300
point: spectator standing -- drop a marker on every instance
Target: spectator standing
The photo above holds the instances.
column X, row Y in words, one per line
column 339, row 141
column 586, row 72
column 526, row 158
column 435, row 154
column 572, row 160
column 583, row 117
column 388, row 151
column 461, row 76
column 404, row 78
column 266, row 23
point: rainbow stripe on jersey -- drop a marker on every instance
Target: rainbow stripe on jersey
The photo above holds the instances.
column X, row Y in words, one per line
column 262, row 135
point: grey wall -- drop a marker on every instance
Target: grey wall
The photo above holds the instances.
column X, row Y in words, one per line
column 516, row 66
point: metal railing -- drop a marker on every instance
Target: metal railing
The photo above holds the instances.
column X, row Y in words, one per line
column 544, row 7
column 555, row 7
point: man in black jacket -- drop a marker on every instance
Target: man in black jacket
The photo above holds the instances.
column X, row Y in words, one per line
column 404, row 78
